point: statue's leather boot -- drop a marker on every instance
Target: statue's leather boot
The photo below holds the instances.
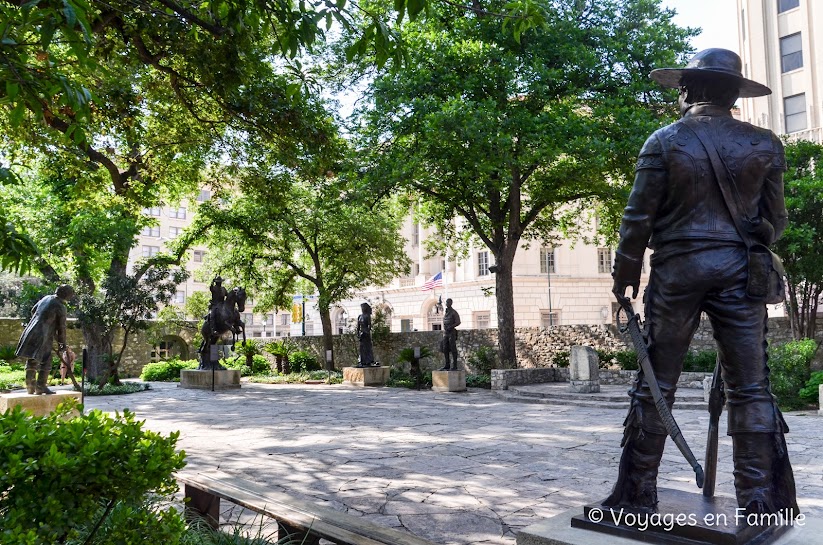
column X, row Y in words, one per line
column 753, row 471
column 31, row 380
column 42, row 381
column 636, row 485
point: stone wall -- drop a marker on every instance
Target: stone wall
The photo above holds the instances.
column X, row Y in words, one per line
column 535, row 346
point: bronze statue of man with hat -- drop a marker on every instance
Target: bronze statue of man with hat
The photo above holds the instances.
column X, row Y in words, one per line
column 708, row 199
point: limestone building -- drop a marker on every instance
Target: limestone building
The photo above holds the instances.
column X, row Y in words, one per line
column 779, row 47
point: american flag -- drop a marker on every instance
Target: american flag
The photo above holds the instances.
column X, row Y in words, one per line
column 435, row 281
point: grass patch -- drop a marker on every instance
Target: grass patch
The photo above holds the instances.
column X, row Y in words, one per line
column 112, row 390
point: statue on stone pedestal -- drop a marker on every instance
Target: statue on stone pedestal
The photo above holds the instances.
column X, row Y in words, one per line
column 708, row 199
column 223, row 317
column 366, row 350
column 48, row 321
column 451, row 319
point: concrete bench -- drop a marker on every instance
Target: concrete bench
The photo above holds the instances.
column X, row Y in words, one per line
column 297, row 517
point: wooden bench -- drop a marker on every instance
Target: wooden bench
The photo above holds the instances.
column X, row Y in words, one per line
column 297, row 517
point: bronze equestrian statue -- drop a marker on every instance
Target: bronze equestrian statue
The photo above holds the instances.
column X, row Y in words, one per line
column 708, row 199
column 223, row 317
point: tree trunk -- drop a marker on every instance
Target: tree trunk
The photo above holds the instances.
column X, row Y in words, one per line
column 97, row 364
column 505, row 309
column 328, row 339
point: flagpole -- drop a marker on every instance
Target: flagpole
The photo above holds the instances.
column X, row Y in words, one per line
column 445, row 274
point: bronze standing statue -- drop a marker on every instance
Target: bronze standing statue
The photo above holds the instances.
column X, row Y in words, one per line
column 451, row 319
column 708, row 199
column 366, row 350
column 48, row 321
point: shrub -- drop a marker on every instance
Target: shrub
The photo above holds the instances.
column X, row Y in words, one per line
column 479, row 381
column 167, row 371
column 400, row 379
column 561, row 358
column 407, row 354
column 59, row 470
column 8, row 352
column 810, row 392
column 790, row 370
column 260, row 365
column 703, row 361
column 130, row 520
column 11, row 378
column 483, row 360
column 303, row 361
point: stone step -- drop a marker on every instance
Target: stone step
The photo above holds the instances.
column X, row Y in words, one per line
column 610, row 397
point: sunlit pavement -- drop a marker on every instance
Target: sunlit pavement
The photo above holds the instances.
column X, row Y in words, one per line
column 454, row 468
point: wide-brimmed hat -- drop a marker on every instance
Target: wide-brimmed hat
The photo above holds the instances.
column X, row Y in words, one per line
column 717, row 63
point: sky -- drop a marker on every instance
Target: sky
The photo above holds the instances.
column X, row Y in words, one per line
column 719, row 27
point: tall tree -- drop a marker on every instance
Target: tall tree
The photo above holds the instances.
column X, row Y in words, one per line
column 284, row 232
column 801, row 246
column 517, row 135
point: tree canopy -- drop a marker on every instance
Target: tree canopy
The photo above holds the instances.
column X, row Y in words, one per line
column 516, row 134
column 801, row 246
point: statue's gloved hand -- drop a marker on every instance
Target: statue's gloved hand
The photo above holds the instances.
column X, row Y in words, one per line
column 626, row 274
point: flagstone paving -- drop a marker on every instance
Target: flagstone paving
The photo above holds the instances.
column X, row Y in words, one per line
column 453, row 468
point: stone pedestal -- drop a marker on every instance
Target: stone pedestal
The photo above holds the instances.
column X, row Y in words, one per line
column 684, row 518
column 583, row 370
column 366, row 376
column 449, row 381
column 38, row 405
column 201, row 379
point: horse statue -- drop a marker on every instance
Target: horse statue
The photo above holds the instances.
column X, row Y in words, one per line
column 222, row 318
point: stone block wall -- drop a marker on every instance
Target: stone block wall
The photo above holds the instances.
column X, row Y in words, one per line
column 535, row 346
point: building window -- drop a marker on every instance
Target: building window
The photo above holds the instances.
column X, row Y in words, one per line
column 415, row 235
column 149, row 251
column 604, row 260
column 405, row 325
column 174, row 232
column 795, row 108
column 786, row 5
column 416, row 269
column 791, row 53
column 180, row 297
column 284, row 319
column 269, row 319
column 150, row 231
column 152, row 211
column 204, row 195
column 248, row 318
column 547, row 261
column 483, row 263
column 548, row 319
column 198, row 256
column 177, row 213
column 482, row 320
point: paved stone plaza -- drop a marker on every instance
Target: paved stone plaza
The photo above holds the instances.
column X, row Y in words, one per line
column 454, row 468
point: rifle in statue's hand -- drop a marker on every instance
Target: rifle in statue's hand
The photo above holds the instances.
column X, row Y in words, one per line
column 715, row 408
column 633, row 328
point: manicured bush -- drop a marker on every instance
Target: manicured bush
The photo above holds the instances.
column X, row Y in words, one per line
column 167, row 371
column 303, row 361
column 790, row 366
column 810, row 392
column 57, row 471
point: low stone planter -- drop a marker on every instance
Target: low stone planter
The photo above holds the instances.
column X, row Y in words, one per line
column 37, row 405
column 201, row 379
column 449, row 381
column 366, row 376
